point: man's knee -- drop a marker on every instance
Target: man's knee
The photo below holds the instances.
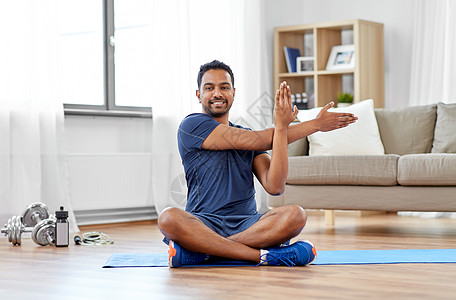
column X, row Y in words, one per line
column 297, row 216
column 168, row 218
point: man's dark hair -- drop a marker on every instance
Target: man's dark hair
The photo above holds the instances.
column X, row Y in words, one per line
column 215, row 64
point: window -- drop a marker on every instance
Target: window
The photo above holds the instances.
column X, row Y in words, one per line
column 103, row 63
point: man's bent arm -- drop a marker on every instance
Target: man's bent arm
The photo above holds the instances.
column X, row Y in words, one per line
column 272, row 172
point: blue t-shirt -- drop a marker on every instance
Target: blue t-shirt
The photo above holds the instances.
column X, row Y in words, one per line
column 218, row 181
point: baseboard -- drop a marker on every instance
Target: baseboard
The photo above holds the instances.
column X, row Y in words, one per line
column 117, row 215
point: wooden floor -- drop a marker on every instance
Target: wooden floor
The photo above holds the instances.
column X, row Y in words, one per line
column 33, row 272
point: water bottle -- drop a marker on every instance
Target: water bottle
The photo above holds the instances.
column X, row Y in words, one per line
column 61, row 228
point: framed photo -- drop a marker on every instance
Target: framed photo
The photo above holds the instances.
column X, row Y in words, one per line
column 304, row 64
column 341, row 57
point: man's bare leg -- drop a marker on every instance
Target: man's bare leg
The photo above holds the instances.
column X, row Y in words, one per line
column 192, row 234
column 273, row 228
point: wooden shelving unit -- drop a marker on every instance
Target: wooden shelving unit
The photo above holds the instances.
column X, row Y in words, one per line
column 364, row 81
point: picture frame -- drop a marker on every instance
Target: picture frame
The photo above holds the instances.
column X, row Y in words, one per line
column 341, row 57
column 304, row 64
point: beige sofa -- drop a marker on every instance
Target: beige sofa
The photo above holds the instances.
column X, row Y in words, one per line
column 416, row 173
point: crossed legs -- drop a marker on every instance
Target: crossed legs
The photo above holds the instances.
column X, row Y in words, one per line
column 273, row 228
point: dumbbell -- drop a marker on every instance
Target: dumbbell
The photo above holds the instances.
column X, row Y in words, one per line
column 14, row 229
column 34, row 213
column 44, row 232
column 36, row 220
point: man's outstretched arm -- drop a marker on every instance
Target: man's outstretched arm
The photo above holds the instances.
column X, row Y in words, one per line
column 226, row 137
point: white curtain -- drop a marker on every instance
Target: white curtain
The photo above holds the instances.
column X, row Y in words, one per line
column 199, row 31
column 32, row 165
column 433, row 73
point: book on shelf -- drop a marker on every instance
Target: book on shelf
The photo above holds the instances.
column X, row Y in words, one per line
column 291, row 54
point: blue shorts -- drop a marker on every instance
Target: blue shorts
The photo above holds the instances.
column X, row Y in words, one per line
column 226, row 225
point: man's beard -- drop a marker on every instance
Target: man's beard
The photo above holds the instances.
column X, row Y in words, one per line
column 216, row 114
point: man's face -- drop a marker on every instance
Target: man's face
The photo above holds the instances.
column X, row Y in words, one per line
column 216, row 93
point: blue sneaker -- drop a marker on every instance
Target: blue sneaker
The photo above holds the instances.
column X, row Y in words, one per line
column 179, row 256
column 300, row 253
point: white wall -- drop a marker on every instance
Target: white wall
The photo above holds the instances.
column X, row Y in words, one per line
column 398, row 17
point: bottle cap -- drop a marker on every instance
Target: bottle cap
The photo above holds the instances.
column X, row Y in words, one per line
column 61, row 214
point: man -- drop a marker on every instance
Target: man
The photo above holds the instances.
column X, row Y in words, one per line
column 220, row 158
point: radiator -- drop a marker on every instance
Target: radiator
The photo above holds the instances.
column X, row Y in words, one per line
column 106, row 188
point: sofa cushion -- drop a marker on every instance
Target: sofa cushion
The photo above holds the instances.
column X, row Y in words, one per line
column 444, row 134
column 298, row 148
column 360, row 138
column 348, row 170
column 427, row 169
column 408, row 130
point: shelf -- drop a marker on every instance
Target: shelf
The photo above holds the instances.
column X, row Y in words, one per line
column 364, row 81
column 303, row 74
column 335, row 72
column 321, row 72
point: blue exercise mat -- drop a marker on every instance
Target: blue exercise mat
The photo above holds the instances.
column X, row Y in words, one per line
column 122, row 260
column 337, row 257
column 350, row 257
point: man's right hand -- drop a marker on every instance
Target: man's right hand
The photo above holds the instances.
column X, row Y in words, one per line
column 328, row 121
column 284, row 111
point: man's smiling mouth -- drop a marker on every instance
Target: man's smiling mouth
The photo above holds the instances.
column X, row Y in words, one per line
column 218, row 102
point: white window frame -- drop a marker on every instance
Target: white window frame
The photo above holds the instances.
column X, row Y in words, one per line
column 109, row 108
